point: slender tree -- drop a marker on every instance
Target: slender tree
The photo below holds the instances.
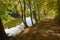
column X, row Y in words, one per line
column 21, row 9
column 38, row 11
column 34, row 12
column 30, row 11
column 24, row 14
column 59, row 5
column 57, row 18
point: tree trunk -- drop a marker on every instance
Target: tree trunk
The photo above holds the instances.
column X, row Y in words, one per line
column 34, row 13
column 25, row 15
column 38, row 11
column 3, row 35
column 57, row 18
column 35, row 17
column 30, row 11
column 21, row 10
column 59, row 6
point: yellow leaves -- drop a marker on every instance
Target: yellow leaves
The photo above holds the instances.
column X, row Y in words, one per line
column 32, row 2
column 45, row 3
column 16, row 1
column 51, row 12
column 19, row 10
column 27, row 11
column 22, row 5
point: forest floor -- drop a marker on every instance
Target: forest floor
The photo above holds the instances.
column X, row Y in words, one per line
column 45, row 30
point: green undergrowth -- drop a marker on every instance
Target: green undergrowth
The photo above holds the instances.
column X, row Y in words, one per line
column 12, row 23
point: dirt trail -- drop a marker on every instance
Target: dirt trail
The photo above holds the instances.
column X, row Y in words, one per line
column 45, row 30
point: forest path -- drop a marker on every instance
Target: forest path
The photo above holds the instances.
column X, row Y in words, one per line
column 45, row 30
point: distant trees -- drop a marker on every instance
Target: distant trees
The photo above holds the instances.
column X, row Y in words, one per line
column 35, row 7
column 33, row 11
